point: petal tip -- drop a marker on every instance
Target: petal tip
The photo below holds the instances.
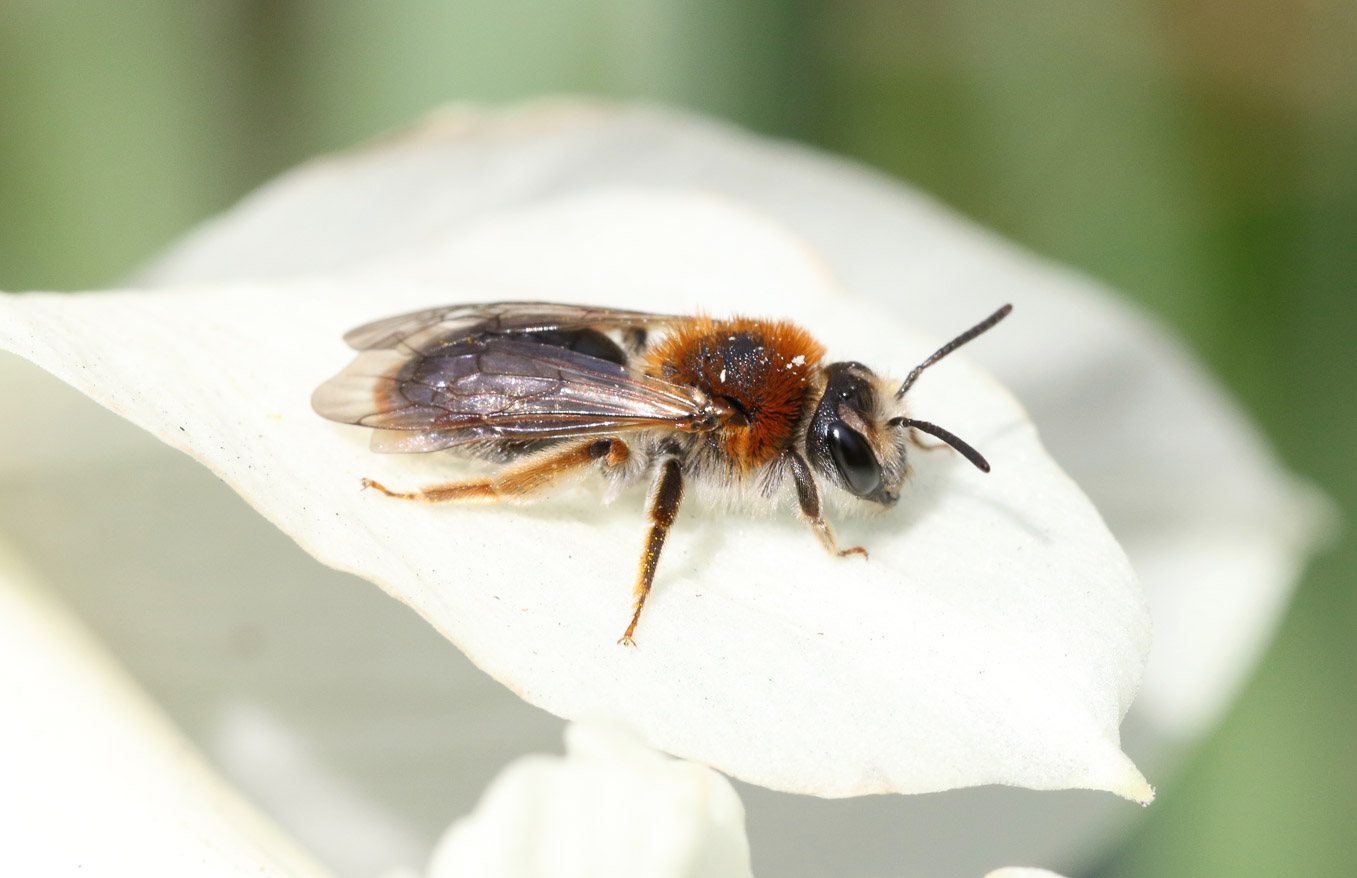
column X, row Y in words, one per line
column 1114, row 772
column 1131, row 784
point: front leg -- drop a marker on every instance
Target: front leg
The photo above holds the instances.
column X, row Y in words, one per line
column 665, row 493
column 808, row 499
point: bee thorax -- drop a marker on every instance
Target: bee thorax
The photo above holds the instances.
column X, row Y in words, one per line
column 757, row 374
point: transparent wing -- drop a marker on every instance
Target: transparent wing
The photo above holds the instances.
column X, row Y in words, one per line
column 421, row 331
column 500, row 387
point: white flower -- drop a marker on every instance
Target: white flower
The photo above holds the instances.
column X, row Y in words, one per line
column 611, row 807
column 482, row 207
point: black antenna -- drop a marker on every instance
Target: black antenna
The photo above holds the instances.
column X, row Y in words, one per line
column 979, row 328
column 946, row 436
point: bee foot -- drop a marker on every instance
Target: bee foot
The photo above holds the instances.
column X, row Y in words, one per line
column 856, row 550
column 373, row 483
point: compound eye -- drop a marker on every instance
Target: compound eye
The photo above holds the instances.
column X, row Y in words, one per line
column 854, row 458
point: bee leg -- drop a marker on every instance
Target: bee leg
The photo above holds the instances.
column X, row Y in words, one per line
column 808, row 498
column 520, row 480
column 665, row 493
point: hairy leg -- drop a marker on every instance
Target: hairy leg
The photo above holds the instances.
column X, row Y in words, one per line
column 665, row 494
column 808, row 500
column 519, row 480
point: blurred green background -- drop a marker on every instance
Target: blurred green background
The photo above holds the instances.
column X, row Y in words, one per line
column 1199, row 155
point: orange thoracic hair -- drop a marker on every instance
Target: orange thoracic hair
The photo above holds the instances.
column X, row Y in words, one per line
column 763, row 369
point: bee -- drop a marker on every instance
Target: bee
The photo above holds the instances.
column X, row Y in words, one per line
column 551, row 391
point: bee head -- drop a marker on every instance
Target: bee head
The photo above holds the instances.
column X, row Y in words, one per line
column 857, row 438
column 850, row 441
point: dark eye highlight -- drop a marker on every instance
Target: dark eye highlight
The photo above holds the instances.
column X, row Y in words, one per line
column 854, row 459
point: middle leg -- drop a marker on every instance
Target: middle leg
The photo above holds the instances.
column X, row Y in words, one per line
column 665, row 494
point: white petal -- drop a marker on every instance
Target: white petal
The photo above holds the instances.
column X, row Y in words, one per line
column 1021, row 872
column 1217, row 530
column 996, row 636
column 56, row 430
column 611, row 807
column 94, row 780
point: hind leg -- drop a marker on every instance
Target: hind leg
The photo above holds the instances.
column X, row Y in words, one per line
column 521, row 480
